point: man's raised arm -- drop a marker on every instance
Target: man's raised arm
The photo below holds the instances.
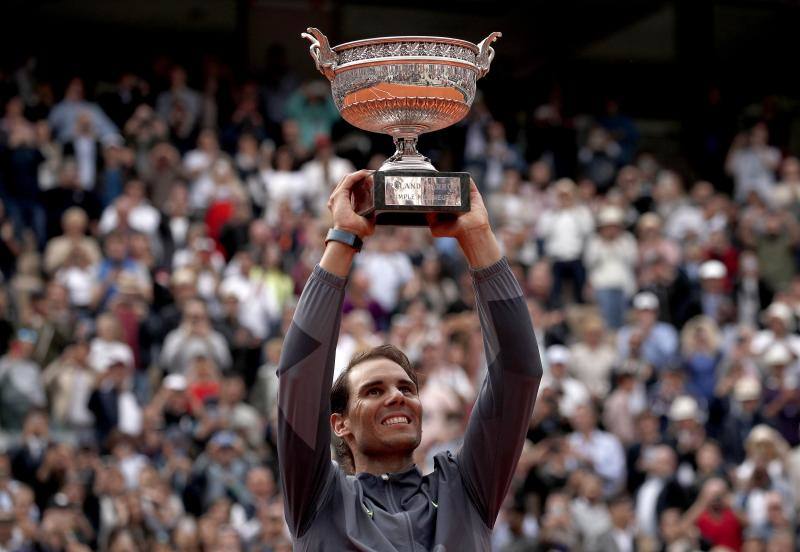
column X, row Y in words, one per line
column 305, row 370
column 496, row 429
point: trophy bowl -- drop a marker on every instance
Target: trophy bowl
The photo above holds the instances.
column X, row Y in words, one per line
column 405, row 86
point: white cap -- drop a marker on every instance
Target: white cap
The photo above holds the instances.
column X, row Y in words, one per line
column 645, row 300
column 175, row 382
column 234, row 287
column 777, row 354
column 782, row 311
column 713, row 269
column 610, row 215
column 557, row 354
column 115, row 354
column 684, row 408
column 747, row 389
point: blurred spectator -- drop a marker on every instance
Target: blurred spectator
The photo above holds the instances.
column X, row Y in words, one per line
column 752, row 163
column 564, row 231
column 65, row 115
column 138, row 403
column 313, row 109
column 194, row 336
column 660, row 490
column 59, row 249
column 600, row 158
column 22, row 388
column 593, row 356
column 597, row 449
column 610, row 260
column 654, row 342
column 571, row 392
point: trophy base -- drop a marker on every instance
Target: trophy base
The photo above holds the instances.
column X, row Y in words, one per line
column 404, row 198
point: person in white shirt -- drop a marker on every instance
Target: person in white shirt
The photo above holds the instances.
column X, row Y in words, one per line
column 622, row 535
column 388, row 269
column 283, row 185
column 610, row 260
column 599, row 450
column 780, row 324
column 564, row 231
column 132, row 211
column 323, row 172
column 752, row 163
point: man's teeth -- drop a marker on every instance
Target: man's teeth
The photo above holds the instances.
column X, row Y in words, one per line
column 396, row 420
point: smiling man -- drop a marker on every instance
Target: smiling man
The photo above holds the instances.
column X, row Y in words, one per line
column 375, row 412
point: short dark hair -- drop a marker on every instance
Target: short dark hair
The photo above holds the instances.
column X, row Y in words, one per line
column 340, row 392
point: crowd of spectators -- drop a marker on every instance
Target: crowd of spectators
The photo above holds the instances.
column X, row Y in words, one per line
column 155, row 233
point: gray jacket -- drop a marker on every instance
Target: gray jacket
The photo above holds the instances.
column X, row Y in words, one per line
column 451, row 509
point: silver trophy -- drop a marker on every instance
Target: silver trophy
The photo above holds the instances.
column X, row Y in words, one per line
column 405, row 86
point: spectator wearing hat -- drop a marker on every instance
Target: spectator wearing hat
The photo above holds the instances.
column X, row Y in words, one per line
column 218, row 473
column 571, row 392
column 781, row 394
column 713, row 300
column 21, row 386
column 593, row 356
column 564, row 231
column 740, row 415
column 646, row 338
column 780, row 324
column 610, row 260
column 687, row 434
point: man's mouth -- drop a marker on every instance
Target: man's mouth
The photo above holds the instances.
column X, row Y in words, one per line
column 394, row 420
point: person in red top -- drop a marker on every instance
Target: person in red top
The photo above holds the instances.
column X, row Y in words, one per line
column 719, row 524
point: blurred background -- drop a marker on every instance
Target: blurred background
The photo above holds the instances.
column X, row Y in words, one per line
column 164, row 172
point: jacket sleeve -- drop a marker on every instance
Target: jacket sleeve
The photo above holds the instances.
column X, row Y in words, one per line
column 499, row 420
column 305, row 375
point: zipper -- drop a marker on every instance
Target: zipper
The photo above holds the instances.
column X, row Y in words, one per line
column 409, row 528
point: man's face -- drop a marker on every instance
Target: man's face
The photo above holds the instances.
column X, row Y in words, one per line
column 384, row 414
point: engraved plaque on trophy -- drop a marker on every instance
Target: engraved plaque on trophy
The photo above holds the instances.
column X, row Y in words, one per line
column 405, row 86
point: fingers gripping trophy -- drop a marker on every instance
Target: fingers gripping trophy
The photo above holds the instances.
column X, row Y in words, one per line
column 405, row 86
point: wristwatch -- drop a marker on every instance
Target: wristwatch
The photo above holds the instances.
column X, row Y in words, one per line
column 345, row 237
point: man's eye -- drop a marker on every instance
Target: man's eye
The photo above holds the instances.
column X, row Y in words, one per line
column 374, row 392
column 407, row 390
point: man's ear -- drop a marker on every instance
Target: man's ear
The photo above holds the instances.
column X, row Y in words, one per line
column 340, row 425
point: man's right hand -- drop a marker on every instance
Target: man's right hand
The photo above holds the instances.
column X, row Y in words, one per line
column 338, row 257
column 340, row 205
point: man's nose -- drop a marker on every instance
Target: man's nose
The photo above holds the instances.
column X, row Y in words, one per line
column 395, row 396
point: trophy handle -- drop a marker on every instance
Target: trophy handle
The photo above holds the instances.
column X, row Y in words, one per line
column 486, row 53
column 321, row 51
